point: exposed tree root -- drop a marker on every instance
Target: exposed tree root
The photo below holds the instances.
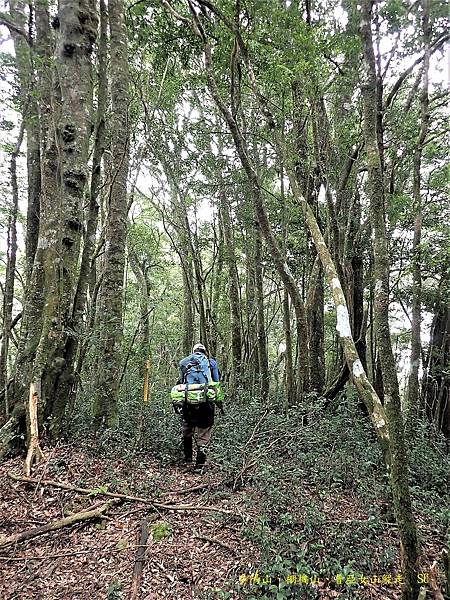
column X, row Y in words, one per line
column 101, row 492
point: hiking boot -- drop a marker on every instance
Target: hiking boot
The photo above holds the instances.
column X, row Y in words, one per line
column 187, row 448
column 200, row 461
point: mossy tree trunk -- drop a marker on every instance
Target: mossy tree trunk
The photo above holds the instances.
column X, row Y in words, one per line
column 263, row 359
column 25, row 63
column 416, row 345
column 398, row 471
column 111, row 295
column 233, row 287
column 67, row 384
column 65, row 128
column 62, row 215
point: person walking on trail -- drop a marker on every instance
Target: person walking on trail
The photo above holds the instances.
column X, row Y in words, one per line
column 197, row 419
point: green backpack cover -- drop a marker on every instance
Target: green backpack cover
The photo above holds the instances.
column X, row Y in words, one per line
column 197, row 393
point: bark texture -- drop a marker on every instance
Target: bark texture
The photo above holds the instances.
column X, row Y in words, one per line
column 399, row 465
column 416, row 346
column 111, row 301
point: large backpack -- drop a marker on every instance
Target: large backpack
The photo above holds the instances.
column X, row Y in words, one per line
column 196, row 369
column 196, row 393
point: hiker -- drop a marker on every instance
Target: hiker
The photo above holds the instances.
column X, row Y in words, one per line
column 197, row 419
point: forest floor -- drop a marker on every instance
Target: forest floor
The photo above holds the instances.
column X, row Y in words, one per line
column 271, row 534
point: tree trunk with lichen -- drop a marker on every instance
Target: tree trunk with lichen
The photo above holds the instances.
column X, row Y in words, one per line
column 65, row 129
column 25, row 60
column 63, row 199
column 233, row 288
column 416, row 346
column 68, row 380
column 398, row 471
column 10, row 274
column 263, row 359
column 111, row 301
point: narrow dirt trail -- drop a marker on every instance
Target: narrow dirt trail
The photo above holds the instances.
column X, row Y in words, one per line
column 188, row 552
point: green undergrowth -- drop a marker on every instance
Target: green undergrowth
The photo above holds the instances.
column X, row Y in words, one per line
column 313, row 477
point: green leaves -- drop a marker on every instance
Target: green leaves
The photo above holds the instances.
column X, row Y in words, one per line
column 161, row 531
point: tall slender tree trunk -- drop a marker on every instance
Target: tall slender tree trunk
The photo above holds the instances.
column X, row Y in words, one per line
column 30, row 115
column 436, row 379
column 288, row 358
column 263, row 359
column 144, row 322
column 233, row 287
column 188, row 312
column 399, row 466
column 11, row 255
column 111, row 300
column 251, row 355
column 416, row 346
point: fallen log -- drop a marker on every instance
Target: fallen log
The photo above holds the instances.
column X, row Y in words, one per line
column 139, row 562
column 101, row 492
column 85, row 515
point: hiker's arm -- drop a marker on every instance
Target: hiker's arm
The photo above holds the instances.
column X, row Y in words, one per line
column 214, row 370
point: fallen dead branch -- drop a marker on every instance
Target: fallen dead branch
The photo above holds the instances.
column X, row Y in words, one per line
column 211, row 540
column 139, row 562
column 101, row 492
column 45, row 556
column 195, row 488
column 85, row 515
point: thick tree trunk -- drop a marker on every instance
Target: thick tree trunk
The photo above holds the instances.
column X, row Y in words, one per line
column 111, row 301
column 62, row 207
column 64, row 135
column 399, row 466
column 67, row 384
column 416, row 346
